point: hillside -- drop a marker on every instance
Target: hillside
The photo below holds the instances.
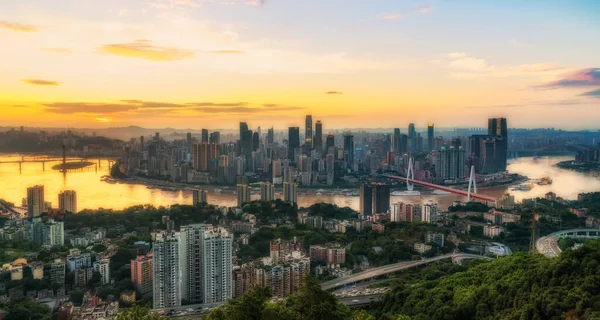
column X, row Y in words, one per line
column 520, row 286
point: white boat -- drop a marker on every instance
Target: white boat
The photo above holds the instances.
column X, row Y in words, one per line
column 319, row 194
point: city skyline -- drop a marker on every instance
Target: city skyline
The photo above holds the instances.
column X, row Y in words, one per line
column 195, row 63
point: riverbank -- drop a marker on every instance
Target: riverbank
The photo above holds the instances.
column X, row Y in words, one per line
column 592, row 168
column 73, row 165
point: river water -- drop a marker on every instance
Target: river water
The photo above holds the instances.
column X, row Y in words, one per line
column 93, row 193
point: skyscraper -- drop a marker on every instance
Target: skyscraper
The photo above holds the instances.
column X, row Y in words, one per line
column 243, row 194
column 366, row 199
column 266, row 191
column 199, row 196
column 396, row 141
column 141, row 273
column 247, row 144
column 450, row 164
column 189, row 139
column 380, row 198
column 318, row 137
column 349, row 151
column 293, row 141
column 270, row 137
column 165, row 270
column 67, row 201
column 217, row 265
column 330, row 142
column 243, row 128
column 255, row 141
column 430, row 138
column 204, row 136
column 290, row 192
column 308, row 130
column 203, row 154
column 412, row 138
column 498, row 127
column 215, row 137
column 190, row 259
column 35, row 201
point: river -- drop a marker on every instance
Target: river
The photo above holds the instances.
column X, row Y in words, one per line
column 93, row 193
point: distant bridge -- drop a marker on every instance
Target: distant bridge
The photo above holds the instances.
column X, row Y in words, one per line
column 442, row 188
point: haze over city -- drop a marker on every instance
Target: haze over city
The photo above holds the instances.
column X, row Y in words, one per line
column 211, row 64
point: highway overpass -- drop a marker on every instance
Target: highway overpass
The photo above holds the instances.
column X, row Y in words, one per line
column 548, row 245
column 391, row 268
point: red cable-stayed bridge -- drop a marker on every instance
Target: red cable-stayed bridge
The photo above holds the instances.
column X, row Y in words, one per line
column 442, row 188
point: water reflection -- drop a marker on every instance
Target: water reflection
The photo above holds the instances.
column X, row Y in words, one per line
column 93, row 193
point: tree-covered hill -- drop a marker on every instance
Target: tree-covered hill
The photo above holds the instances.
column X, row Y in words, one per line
column 520, row 286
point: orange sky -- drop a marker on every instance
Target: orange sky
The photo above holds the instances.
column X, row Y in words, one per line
column 211, row 64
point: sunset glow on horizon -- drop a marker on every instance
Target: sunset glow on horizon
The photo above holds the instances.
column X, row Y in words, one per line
column 350, row 63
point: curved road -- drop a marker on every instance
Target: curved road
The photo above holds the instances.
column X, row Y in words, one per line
column 548, row 245
column 391, row 268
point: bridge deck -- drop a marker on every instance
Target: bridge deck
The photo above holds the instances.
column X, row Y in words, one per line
column 442, row 188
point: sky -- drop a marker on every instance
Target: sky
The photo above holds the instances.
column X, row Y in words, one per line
column 349, row 63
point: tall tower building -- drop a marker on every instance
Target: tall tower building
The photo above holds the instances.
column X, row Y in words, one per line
column 412, row 138
column 270, row 137
column 381, row 198
column 243, row 194
column 165, row 271
column 204, row 136
column 266, row 191
column 396, row 141
column 190, row 259
column 308, row 131
column 215, row 137
column 293, row 141
column 290, row 192
column 199, row 196
column 35, row 201
column 349, row 151
column 330, row 142
column 67, row 201
column 318, row 137
column 243, row 128
column 366, row 199
column 498, row 127
column 141, row 273
column 217, row 265
column 430, row 138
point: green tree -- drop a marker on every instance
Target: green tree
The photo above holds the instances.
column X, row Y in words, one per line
column 311, row 302
column 27, row 309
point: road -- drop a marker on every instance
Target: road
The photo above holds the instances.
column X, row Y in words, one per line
column 391, row 268
column 548, row 245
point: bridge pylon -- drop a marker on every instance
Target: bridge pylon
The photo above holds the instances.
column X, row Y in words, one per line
column 472, row 183
column 410, row 175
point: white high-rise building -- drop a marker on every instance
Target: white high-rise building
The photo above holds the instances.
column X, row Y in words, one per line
column 190, row 259
column 47, row 233
column 35, row 201
column 199, row 196
column 67, row 201
column 103, row 267
column 266, row 191
column 429, row 213
column 217, row 265
column 165, row 270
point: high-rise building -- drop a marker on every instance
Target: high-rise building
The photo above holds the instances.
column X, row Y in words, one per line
column 189, row 139
column 67, row 201
column 488, row 153
column 498, row 127
column 215, row 137
column 349, row 151
column 308, row 130
column 396, row 141
column 47, row 233
column 412, row 138
column 266, row 191
column 380, row 198
column 243, row 194
column 290, row 192
column 165, row 271
column 435, row 237
column 318, row 136
column 430, row 138
column 270, row 137
column 330, row 142
column 35, row 201
column 222, row 170
column 243, row 128
column 293, row 141
column 450, row 164
column 190, row 259
column 366, row 199
column 204, row 136
column 141, row 273
column 217, row 265
column 103, row 267
column 255, row 141
column 204, row 155
column 429, row 213
column 199, row 196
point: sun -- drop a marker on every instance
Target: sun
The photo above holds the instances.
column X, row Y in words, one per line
column 103, row 120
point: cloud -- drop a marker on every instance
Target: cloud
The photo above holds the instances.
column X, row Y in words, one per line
column 580, row 78
column 595, row 93
column 423, row 8
column 228, row 52
column 18, row 26
column 464, row 66
column 255, row 3
column 333, row 92
column 40, row 82
column 393, row 16
column 532, row 103
column 216, row 104
column 144, row 49
column 86, row 107
column 175, row 4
